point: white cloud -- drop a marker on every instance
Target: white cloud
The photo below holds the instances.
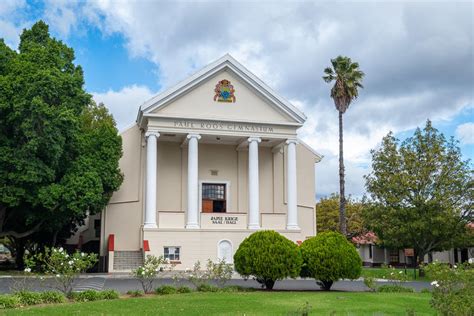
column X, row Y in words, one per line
column 12, row 21
column 62, row 15
column 327, row 177
column 465, row 133
column 124, row 104
column 417, row 57
column 414, row 56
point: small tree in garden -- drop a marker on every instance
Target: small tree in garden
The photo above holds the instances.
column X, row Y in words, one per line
column 147, row 273
column 453, row 288
column 268, row 257
column 219, row 271
column 329, row 257
column 63, row 266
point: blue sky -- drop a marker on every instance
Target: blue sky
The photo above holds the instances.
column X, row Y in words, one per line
column 108, row 66
column 418, row 60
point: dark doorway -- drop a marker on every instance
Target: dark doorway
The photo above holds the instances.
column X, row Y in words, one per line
column 464, row 255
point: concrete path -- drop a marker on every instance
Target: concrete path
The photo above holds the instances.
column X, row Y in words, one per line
column 124, row 284
column 96, row 283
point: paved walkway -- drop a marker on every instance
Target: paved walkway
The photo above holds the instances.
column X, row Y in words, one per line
column 95, row 283
column 125, row 283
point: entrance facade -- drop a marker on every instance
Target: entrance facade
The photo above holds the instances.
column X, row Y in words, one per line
column 207, row 163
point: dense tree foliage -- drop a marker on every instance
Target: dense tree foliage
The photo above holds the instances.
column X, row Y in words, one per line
column 347, row 79
column 327, row 215
column 422, row 192
column 268, row 256
column 328, row 257
column 59, row 151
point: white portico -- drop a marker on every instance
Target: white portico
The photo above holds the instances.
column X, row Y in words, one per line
column 208, row 162
column 193, row 212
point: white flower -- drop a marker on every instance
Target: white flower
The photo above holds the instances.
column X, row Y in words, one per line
column 58, row 275
column 71, row 262
column 435, row 283
column 28, row 270
column 82, row 254
column 471, row 260
column 61, row 249
column 143, row 272
column 400, row 272
column 455, row 266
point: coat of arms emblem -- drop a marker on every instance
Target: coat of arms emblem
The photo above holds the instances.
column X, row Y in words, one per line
column 224, row 91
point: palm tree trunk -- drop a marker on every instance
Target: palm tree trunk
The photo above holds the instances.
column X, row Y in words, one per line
column 342, row 198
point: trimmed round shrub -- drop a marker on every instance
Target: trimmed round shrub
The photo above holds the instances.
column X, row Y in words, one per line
column 268, row 256
column 329, row 257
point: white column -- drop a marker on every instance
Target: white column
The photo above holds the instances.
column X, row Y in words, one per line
column 292, row 218
column 254, row 204
column 193, row 212
column 151, row 167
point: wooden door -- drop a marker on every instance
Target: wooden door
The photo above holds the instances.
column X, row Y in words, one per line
column 206, row 205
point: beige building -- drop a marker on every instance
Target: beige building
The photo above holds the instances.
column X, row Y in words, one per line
column 207, row 163
column 373, row 255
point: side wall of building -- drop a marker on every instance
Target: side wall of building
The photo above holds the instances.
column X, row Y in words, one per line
column 123, row 217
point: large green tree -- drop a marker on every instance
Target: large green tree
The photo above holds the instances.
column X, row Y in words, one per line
column 327, row 215
column 59, row 151
column 348, row 79
column 422, row 191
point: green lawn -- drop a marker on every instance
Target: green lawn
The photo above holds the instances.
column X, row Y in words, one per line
column 249, row 303
column 379, row 273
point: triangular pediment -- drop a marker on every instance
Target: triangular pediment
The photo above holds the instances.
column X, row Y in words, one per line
column 251, row 99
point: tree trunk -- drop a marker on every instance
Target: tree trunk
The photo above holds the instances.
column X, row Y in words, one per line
column 269, row 284
column 325, row 285
column 419, row 258
column 20, row 252
column 55, row 238
column 342, row 198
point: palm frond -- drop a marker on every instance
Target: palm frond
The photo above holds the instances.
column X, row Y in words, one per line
column 348, row 79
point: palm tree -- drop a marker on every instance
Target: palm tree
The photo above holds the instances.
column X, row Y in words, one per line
column 348, row 79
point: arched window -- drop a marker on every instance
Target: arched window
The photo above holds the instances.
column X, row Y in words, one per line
column 225, row 251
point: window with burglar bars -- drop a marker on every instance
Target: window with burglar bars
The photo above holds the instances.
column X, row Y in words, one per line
column 171, row 253
column 214, row 198
column 213, row 191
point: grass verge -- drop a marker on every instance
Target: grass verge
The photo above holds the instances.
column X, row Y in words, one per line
column 250, row 303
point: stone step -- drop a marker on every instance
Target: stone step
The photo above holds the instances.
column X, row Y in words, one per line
column 127, row 260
